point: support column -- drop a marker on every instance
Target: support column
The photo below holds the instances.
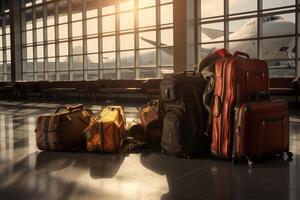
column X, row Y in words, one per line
column 297, row 39
column 16, row 41
column 259, row 30
column 226, row 24
column 180, row 35
column 192, row 27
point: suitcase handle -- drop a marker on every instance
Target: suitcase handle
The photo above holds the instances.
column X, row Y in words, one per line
column 192, row 72
column 79, row 107
column 70, row 108
column 239, row 53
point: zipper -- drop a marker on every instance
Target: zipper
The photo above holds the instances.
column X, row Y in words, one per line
column 236, row 130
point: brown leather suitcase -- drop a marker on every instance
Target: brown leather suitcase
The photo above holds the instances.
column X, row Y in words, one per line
column 151, row 122
column 106, row 132
column 236, row 80
column 261, row 130
column 63, row 131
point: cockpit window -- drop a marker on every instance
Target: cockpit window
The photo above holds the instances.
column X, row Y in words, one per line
column 271, row 18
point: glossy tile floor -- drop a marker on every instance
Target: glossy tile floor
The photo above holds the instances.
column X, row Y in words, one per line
column 27, row 173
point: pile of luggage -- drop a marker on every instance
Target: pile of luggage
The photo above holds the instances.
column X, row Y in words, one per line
column 222, row 107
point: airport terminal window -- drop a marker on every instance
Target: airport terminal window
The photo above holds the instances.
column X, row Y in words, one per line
column 265, row 29
column 5, row 49
column 96, row 39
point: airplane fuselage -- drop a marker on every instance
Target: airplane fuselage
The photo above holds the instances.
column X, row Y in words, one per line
column 277, row 48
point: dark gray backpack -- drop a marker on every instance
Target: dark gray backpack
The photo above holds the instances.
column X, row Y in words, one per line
column 185, row 118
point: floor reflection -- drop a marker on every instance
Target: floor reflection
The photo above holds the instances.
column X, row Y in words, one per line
column 27, row 173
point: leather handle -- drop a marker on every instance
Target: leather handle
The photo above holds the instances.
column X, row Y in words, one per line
column 69, row 108
column 61, row 107
column 76, row 107
column 239, row 53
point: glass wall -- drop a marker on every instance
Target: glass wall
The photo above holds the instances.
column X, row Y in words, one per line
column 5, row 53
column 96, row 39
column 265, row 29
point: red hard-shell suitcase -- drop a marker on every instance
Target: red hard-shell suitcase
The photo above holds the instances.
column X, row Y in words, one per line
column 237, row 79
column 261, row 130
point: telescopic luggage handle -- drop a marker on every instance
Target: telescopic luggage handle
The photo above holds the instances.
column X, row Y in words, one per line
column 190, row 72
column 193, row 72
column 239, row 53
column 259, row 96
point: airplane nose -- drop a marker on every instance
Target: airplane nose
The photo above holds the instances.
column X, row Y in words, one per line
column 287, row 28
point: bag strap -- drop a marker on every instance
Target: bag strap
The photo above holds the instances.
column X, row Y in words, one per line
column 209, row 120
column 61, row 107
column 70, row 108
column 223, row 53
column 239, row 53
column 199, row 107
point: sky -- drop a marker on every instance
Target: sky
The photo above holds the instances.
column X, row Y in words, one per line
column 146, row 18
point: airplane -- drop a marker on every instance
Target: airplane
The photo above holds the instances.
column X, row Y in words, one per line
column 279, row 48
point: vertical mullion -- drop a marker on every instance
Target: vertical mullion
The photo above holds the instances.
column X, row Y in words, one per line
column 100, row 45
column 23, row 42
column 3, row 41
column 226, row 24
column 199, row 27
column 158, row 39
column 259, row 29
column 136, row 39
column 70, row 50
column 117, row 18
column 196, row 39
column 297, row 21
column 84, row 37
column 34, row 45
column 45, row 36
column 56, row 36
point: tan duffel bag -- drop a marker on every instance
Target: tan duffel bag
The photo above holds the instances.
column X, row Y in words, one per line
column 107, row 130
column 63, row 131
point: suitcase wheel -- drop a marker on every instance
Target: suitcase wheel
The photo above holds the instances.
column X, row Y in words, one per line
column 250, row 163
column 289, row 154
column 234, row 161
column 279, row 155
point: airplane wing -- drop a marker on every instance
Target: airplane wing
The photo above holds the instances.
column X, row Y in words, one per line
column 212, row 33
column 151, row 41
column 168, row 51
